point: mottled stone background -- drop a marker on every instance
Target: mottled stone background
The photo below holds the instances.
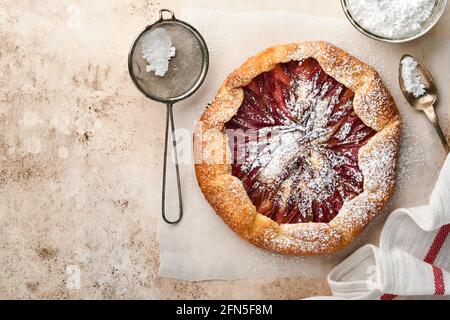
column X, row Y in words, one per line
column 79, row 148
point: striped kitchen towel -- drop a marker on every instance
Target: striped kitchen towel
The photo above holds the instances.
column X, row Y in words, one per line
column 413, row 259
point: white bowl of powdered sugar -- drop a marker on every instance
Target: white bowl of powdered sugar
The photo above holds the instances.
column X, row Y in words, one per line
column 394, row 20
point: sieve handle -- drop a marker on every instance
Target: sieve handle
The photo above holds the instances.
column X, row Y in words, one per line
column 170, row 122
column 161, row 14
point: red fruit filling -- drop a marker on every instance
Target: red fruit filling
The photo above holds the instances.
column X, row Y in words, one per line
column 296, row 139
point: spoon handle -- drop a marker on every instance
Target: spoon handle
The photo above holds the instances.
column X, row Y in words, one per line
column 431, row 114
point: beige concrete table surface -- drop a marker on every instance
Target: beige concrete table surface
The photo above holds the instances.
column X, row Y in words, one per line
column 79, row 148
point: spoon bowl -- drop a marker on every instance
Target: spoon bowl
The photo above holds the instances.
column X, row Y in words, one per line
column 425, row 102
column 431, row 93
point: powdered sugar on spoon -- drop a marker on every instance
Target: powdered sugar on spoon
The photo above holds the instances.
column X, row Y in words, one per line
column 420, row 90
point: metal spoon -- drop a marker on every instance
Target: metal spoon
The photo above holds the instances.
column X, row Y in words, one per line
column 427, row 101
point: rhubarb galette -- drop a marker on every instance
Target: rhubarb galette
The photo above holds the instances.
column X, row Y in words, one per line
column 297, row 153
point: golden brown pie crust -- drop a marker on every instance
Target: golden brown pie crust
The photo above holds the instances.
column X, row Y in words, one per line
column 377, row 159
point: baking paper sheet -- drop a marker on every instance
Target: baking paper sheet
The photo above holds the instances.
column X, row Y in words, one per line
column 202, row 247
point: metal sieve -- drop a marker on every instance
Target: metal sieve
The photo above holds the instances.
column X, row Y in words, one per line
column 187, row 71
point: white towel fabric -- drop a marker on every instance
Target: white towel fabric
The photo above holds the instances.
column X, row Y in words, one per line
column 413, row 258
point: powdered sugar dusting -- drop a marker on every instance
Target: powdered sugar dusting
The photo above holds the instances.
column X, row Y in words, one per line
column 378, row 167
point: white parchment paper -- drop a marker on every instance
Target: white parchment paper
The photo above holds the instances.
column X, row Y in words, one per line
column 202, row 247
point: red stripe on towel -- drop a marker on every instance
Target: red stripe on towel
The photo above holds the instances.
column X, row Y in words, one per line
column 386, row 297
column 437, row 244
column 439, row 283
column 436, row 247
